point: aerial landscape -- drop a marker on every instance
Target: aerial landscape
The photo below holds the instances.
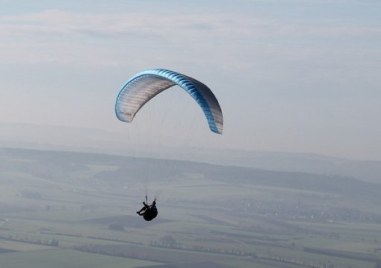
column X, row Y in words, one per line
column 250, row 125
column 57, row 204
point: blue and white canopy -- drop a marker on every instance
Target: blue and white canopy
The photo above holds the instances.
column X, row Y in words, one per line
column 145, row 85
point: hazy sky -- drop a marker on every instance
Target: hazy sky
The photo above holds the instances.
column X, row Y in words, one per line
column 290, row 75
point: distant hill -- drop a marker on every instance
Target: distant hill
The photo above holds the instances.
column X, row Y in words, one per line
column 100, row 141
column 299, row 162
column 61, row 166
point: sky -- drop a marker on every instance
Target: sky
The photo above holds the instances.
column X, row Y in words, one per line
column 290, row 75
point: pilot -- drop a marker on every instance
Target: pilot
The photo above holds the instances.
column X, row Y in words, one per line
column 149, row 212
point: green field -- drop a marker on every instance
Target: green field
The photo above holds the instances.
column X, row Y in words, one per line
column 61, row 209
column 65, row 258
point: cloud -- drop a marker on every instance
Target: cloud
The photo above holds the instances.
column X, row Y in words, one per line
column 71, row 37
column 60, row 36
column 63, row 22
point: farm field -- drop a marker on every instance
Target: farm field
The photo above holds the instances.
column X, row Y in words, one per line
column 67, row 209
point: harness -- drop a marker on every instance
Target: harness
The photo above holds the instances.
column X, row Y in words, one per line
column 150, row 213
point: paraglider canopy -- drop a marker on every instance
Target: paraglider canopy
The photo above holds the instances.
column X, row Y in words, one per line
column 145, row 85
